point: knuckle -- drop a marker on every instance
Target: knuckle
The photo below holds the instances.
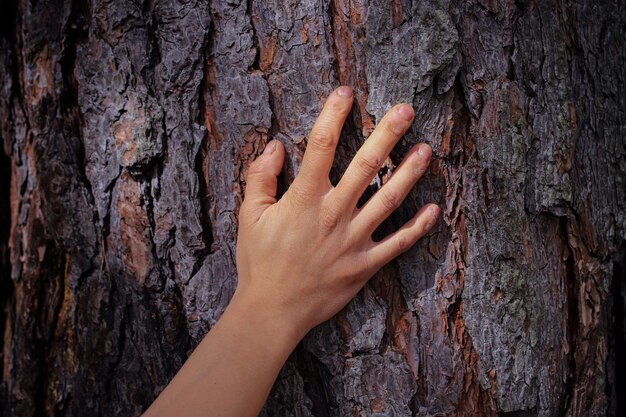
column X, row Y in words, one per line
column 255, row 168
column 403, row 243
column 322, row 139
column 393, row 127
column 298, row 196
column 368, row 264
column 390, row 200
column 329, row 219
column 368, row 164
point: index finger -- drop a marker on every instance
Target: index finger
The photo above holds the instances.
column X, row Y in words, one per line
column 320, row 151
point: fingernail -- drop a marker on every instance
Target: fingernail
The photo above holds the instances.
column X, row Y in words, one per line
column 270, row 148
column 406, row 112
column 423, row 150
column 344, row 91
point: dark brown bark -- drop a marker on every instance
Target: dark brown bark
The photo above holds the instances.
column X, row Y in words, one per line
column 127, row 129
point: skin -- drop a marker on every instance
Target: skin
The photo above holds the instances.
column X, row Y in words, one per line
column 300, row 260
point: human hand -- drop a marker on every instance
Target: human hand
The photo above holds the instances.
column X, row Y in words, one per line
column 300, row 260
column 305, row 256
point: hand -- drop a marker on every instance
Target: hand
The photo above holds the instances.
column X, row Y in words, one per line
column 300, row 260
column 306, row 255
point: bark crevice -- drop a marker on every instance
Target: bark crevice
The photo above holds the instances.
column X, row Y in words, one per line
column 618, row 313
column 6, row 283
column 573, row 316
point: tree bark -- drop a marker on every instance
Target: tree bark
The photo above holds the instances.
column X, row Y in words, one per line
column 127, row 128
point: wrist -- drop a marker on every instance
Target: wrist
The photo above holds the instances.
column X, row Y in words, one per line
column 265, row 323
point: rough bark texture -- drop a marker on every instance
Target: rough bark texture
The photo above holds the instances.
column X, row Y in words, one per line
column 127, row 128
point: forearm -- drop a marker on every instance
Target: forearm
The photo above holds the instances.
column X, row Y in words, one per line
column 232, row 370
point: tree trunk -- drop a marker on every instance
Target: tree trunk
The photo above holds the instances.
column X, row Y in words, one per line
column 128, row 127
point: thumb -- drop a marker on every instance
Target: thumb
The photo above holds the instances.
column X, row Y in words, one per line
column 262, row 179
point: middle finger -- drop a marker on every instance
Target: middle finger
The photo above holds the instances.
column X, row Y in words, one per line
column 371, row 155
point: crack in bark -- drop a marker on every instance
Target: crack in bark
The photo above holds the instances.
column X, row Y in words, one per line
column 106, row 220
column 316, row 377
column 274, row 130
column 49, row 297
column 573, row 315
column 183, row 342
column 256, row 64
column 618, row 290
column 10, row 24
column 461, row 150
column 147, row 199
column 6, row 283
column 152, row 47
column 331, row 13
column 77, row 27
column 121, row 339
column 7, row 36
column 206, row 117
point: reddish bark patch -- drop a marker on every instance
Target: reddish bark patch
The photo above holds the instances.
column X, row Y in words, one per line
column 134, row 229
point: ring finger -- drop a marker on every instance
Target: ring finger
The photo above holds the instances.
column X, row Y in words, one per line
column 391, row 195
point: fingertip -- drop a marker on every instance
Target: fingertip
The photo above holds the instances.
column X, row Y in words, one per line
column 273, row 148
column 406, row 111
column 273, row 156
column 434, row 212
column 279, row 146
column 424, row 150
column 344, row 91
column 339, row 106
column 270, row 147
